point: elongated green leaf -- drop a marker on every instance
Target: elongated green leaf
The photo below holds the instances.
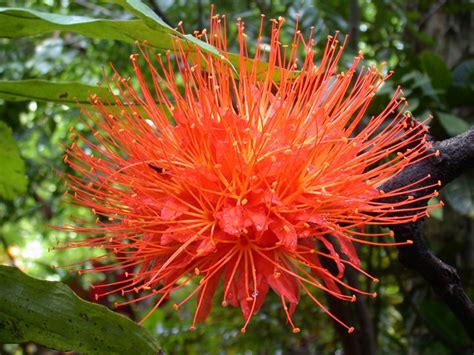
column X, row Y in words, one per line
column 154, row 21
column 13, row 181
column 49, row 313
column 142, row 11
column 437, row 316
column 460, row 194
column 66, row 93
column 453, row 124
column 436, row 69
column 18, row 22
column 463, row 75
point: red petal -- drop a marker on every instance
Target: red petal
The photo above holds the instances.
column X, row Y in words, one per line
column 205, row 297
column 348, row 249
column 172, row 209
column 286, row 233
column 316, row 271
column 232, row 220
column 332, row 251
column 206, row 247
column 285, row 285
column 259, row 218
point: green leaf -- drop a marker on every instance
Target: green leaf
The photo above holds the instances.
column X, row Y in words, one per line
column 18, row 22
column 143, row 12
column 13, row 181
column 438, row 317
column 463, row 75
column 453, row 125
column 50, row 314
column 460, row 194
column 155, row 22
column 41, row 90
column 436, row 69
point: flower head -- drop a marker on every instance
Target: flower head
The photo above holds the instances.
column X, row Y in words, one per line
column 248, row 177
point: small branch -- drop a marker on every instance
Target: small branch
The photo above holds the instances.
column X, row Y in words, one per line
column 456, row 157
column 200, row 15
column 97, row 9
column 442, row 277
column 433, row 10
column 160, row 13
column 366, row 333
column 354, row 25
column 262, row 6
column 362, row 341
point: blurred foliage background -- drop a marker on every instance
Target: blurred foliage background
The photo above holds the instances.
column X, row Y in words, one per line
column 429, row 45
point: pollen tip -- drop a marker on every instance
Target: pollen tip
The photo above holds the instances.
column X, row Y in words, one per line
column 192, row 328
column 224, row 303
column 374, row 294
column 351, row 330
column 296, row 330
column 175, row 307
column 242, row 330
column 409, row 241
column 376, row 280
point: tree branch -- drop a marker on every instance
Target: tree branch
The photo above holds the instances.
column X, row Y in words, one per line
column 354, row 22
column 442, row 277
column 456, row 156
column 156, row 8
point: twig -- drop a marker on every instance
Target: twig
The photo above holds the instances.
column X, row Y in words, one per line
column 433, row 10
column 160, row 13
column 366, row 336
column 94, row 7
column 456, row 157
column 442, row 277
column 354, row 25
column 262, row 6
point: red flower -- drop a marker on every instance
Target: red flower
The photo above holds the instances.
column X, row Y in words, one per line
column 250, row 177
